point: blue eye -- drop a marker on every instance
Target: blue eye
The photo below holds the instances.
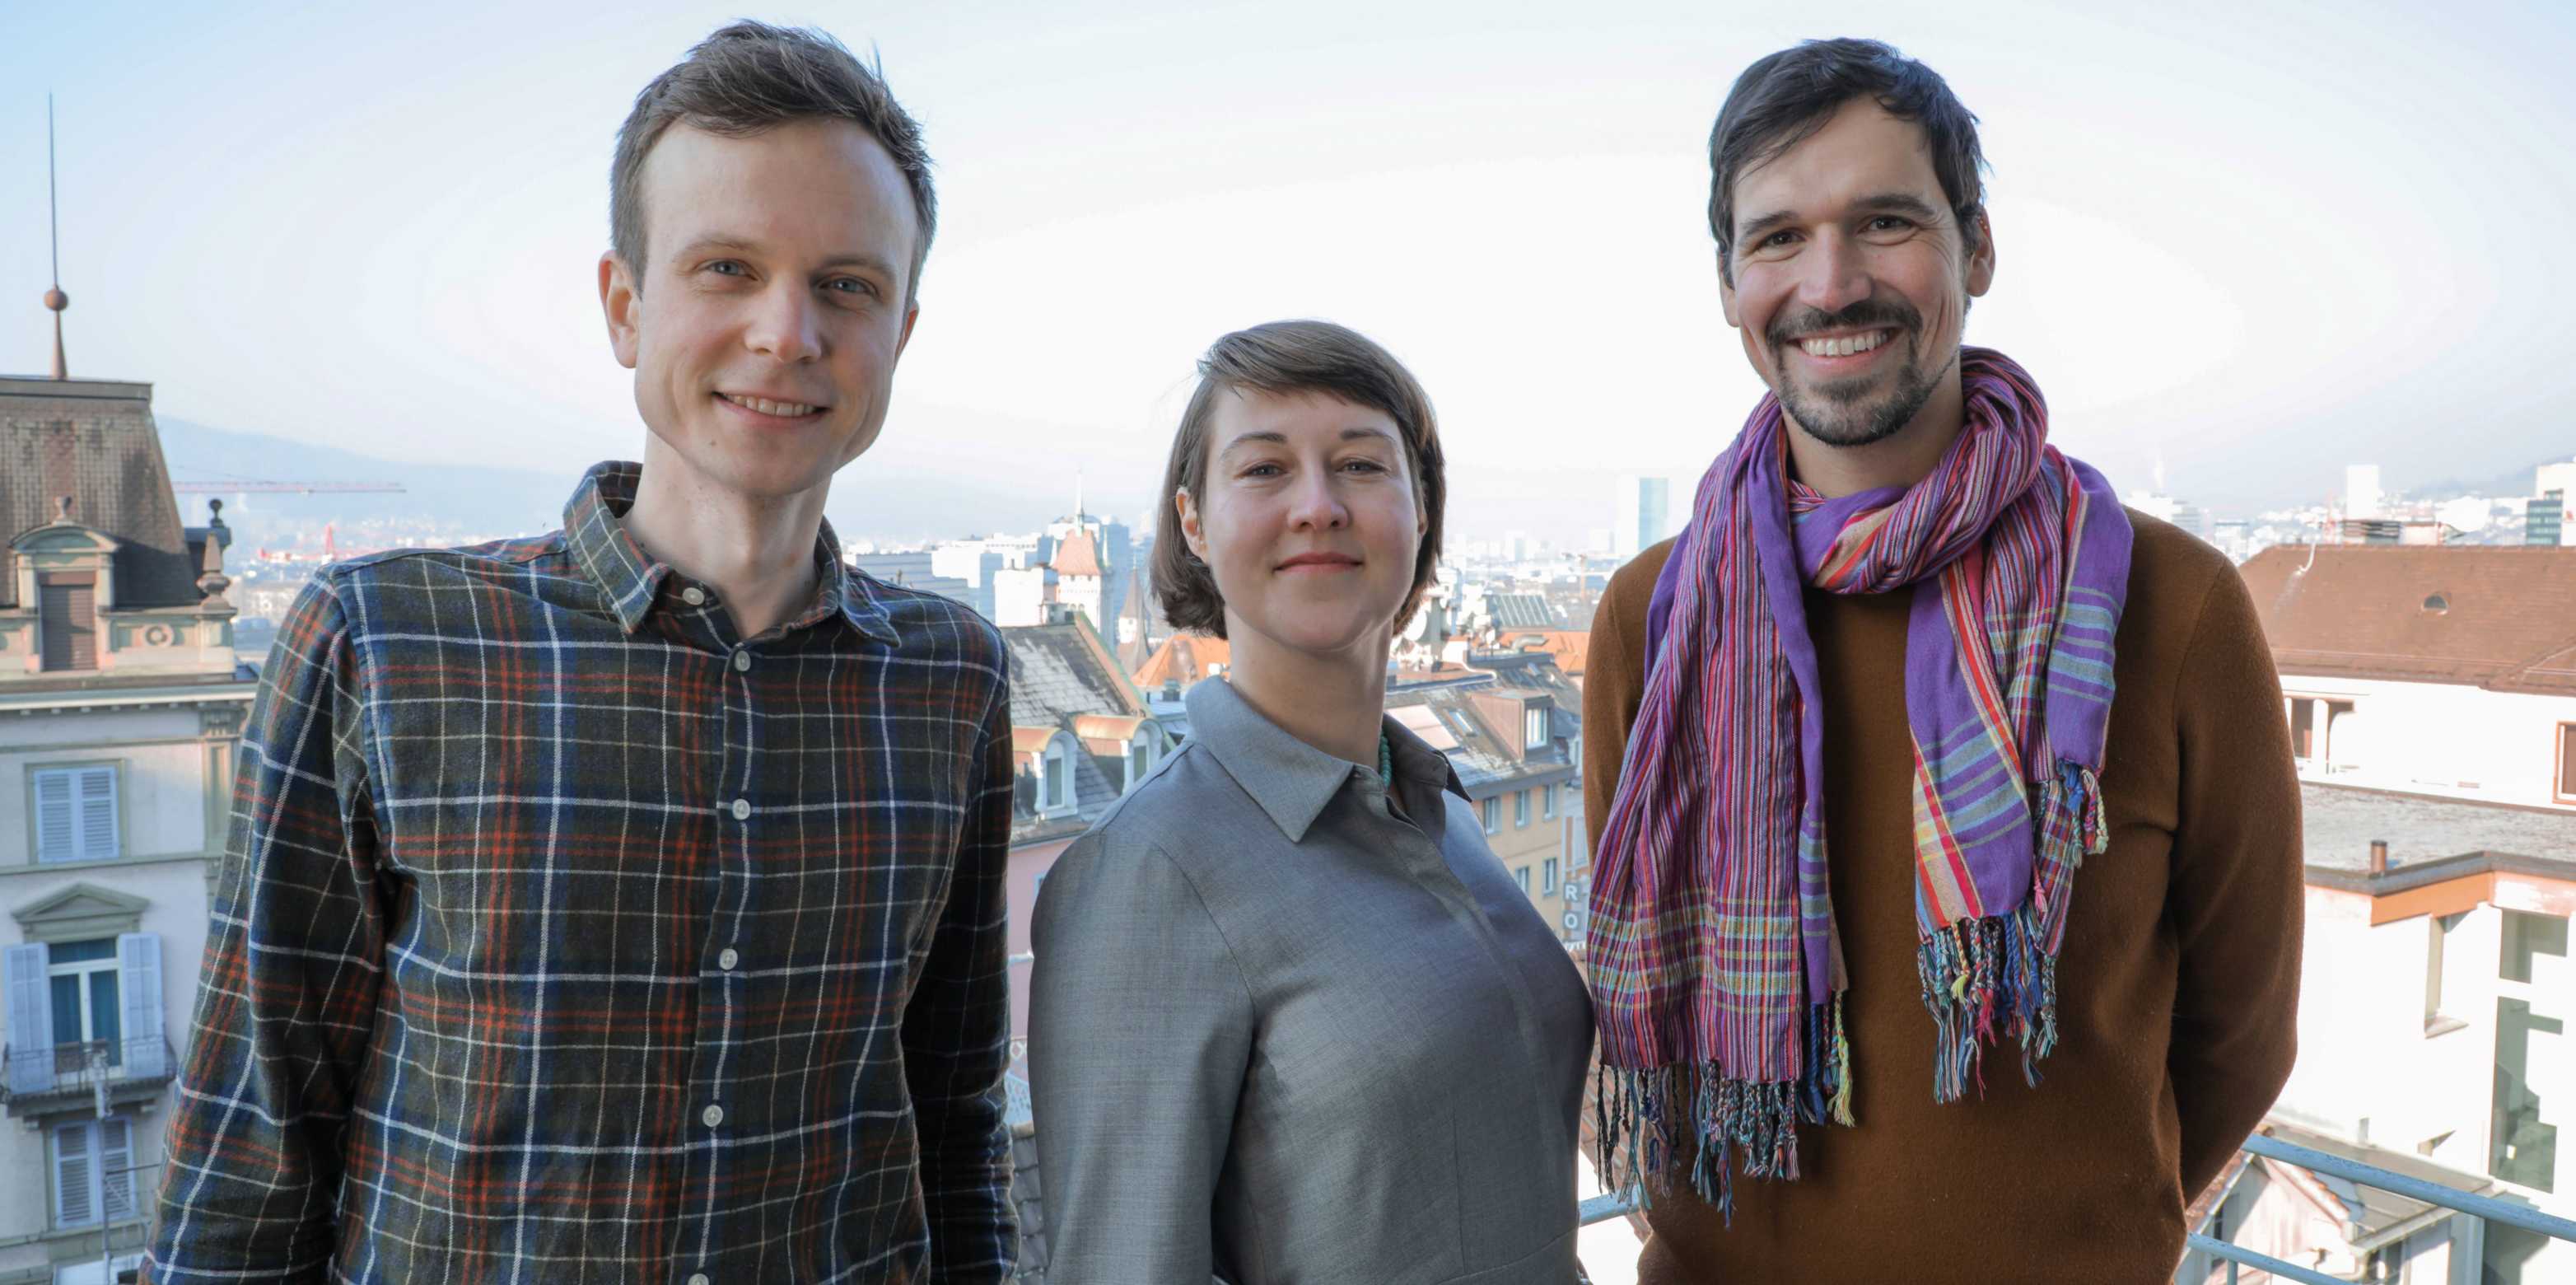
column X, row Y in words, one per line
column 729, row 268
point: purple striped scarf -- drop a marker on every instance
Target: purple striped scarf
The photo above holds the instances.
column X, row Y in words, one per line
column 1716, row 969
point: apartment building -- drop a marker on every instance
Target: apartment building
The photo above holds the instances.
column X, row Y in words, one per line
column 121, row 708
column 2434, row 1006
column 1513, row 737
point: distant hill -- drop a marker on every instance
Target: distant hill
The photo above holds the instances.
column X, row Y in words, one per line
column 450, row 499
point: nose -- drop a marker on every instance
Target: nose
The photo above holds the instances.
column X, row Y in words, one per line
column 1314, row 505
column 785, row 324
column 1834, row 273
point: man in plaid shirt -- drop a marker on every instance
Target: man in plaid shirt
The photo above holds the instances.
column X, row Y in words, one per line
column 625, row 904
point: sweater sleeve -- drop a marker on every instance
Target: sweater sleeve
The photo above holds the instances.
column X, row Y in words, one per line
column 2236, row 901
column 1611, row 693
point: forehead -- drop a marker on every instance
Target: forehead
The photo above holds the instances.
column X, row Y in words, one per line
column 819, row 186
column 1860, row 152
column 1301, row 416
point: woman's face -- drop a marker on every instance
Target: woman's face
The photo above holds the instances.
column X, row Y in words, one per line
column 1308, row 521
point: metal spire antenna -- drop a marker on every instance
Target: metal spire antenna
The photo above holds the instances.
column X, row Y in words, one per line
column 55, row 299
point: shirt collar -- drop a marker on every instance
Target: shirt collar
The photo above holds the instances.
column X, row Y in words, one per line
column 633, row 579
column 1291, row 780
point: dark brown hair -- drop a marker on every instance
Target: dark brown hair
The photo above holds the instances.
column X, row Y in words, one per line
column 1288, row 357
column 1784, row 98
column 751, row 77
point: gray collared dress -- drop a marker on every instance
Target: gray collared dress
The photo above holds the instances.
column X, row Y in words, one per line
column 1286, row 1034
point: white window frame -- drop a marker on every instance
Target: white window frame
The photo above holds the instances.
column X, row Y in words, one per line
column 2566, row 764
column 1520, row 809
column 1491, row 813
column 1520, row 875
column 1547, row 876
column 88, row 971
column 104, row 1198
column 1056, row 778
column 88, row 825
column 1534, row 728
column 1547, row 803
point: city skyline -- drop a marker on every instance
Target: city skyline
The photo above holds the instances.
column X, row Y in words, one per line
column 2279, row 270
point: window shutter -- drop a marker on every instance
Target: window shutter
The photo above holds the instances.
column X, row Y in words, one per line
column 31, row 1018
column 97, row 812
column 138, row 965
column 73, row 1177
column 115, row 1168
column 56, row 836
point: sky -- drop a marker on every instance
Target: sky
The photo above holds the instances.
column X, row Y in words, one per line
column 2245, row 243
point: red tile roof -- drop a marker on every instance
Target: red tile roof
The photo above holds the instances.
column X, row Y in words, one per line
column 1185, row 657
column 2499, row 617
column 1077, row 555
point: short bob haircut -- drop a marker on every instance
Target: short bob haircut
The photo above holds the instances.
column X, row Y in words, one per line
column 1786, row 97
column 1286, row 358
column 750, row 77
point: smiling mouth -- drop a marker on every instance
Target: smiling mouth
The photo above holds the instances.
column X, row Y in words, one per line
column 763, row 405
column 1319, row 564
column 1845, row 345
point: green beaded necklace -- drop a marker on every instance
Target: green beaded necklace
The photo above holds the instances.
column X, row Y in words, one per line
column 1385, row 759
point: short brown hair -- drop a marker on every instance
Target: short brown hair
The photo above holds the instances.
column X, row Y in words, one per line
column 1279, row 358
column 751, row 77
column 1784, row 98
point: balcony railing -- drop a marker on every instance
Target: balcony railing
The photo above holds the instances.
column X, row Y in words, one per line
column 2487, row 1208
column 84, row 1067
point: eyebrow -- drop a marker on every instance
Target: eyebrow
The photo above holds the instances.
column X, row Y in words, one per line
column 1277, row 438
column 736, row 245
column 1905, row 203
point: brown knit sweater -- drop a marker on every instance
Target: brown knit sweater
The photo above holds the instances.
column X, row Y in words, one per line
column 2177, row 988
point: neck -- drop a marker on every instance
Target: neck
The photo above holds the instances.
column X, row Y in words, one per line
column 1335, row 702
column 1900, row 459
column 757, row 552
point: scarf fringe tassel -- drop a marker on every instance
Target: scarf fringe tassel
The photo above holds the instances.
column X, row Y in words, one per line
column 1641, row 1115
column 1998, row 974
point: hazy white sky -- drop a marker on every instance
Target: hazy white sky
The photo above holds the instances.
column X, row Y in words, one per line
column 2256, row 239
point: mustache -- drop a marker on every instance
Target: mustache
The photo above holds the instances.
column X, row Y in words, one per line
column 1790, row 328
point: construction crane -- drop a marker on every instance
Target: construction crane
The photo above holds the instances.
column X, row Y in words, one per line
column 286, row 488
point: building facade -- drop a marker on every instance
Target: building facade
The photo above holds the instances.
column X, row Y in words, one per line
column 121, row 708
column 2435, row 1000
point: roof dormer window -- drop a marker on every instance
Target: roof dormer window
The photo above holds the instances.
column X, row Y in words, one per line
column 67, row 619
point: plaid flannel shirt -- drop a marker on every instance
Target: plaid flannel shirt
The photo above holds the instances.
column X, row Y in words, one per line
column 565, row 936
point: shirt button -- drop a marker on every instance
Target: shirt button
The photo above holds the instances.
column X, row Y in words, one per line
column 742, row 661
column 694, row 596
column 728, row 959
column 742, row 809
column 713, row 1115
column 698, row 1278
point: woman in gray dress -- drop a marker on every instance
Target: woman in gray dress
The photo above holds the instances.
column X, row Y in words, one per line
column 1291, row 1022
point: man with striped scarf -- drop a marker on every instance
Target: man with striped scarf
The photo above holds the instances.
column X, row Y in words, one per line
column 1920, row 769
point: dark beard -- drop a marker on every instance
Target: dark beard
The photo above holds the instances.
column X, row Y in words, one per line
column 1841, row 413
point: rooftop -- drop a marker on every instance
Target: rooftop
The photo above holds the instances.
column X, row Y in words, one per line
column 2501, row 617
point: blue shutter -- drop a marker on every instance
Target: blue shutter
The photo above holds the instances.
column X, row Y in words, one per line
column 31, row 1018
column 138, row 966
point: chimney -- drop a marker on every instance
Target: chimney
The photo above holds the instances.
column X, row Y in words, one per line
column 2378, row 857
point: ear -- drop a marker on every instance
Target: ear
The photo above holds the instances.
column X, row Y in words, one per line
column 911, row 314
column 621, row 301
column 1981, row 264
column 1726, row 293
column 1191, row 533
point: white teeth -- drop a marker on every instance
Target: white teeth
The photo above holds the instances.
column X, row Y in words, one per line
column 768, row 407
column 1844, row 346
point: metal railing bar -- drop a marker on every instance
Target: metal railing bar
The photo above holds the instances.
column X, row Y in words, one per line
column 2240, row 1254
column 2487, row 1207
column 1601, row 1209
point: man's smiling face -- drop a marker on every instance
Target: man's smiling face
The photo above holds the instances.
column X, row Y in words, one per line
column 1852, row 276
column 774, row 301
